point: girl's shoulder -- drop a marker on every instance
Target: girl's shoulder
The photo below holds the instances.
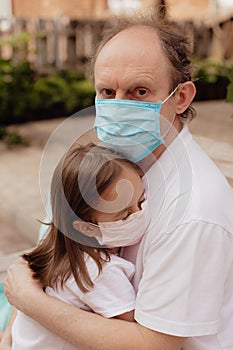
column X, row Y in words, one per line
column 115, row 263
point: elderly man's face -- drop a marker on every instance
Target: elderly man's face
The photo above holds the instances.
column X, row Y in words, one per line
column 133, row 66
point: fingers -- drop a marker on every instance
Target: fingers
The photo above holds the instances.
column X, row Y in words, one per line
column 16, row 276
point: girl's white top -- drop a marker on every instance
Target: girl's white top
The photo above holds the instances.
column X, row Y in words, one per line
column 112, row 295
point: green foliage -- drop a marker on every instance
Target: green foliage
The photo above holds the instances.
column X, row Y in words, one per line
column 3, row 132
column 15, row 40
column 15, row 90
column 213, row 79
column 83, row 92
column 25, row 95
column 13, row 139
column 230, row 88
column 211, row 70
column 52, row 90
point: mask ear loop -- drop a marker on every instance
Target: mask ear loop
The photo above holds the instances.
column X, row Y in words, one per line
column 166, row 99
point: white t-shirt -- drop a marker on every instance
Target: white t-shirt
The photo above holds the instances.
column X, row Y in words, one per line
column 112, row 295
column 184, row 264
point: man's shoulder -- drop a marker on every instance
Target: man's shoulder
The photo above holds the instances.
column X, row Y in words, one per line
column 184, row 186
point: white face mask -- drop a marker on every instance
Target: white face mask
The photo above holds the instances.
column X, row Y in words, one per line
column 126, row 232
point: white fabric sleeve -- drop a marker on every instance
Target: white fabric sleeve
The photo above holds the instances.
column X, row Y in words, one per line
column 112, row 294
column 182, row 286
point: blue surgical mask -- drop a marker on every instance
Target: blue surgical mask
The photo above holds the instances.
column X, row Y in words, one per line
column 128, row 126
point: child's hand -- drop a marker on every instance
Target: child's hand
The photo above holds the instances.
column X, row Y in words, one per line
column 19, row 285
column 114, row 250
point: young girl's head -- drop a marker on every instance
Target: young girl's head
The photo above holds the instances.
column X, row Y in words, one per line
column 91, row 185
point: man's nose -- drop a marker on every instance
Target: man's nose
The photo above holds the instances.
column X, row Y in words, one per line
column 121, row 95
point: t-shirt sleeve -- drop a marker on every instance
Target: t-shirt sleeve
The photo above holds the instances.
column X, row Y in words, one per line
column 112, row 294
column 182, row 285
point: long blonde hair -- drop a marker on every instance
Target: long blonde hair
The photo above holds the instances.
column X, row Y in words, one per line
column 61, row 254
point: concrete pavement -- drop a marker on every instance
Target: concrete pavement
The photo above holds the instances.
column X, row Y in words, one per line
column 21, row 204
column 213, row 130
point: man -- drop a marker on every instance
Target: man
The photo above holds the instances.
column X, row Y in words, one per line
column 184, row 274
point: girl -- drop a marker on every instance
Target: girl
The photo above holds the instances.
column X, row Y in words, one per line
column 97, row 200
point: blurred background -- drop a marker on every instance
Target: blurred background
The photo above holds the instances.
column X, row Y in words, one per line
column 44, row 51
column 45, row 46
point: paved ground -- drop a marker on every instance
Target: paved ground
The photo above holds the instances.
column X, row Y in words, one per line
column 21, row 204
column 213, row 130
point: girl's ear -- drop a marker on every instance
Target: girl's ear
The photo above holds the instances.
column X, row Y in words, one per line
column 86, row 228
column 185, row 95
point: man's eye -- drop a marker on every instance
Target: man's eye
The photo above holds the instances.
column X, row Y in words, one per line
column 108, row 92
column 141, row 92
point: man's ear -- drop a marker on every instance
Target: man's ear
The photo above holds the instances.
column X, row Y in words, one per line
column 185, row 95
column 86, row 228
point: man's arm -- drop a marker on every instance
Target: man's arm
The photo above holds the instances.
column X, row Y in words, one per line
column 127, row 316
column 83, row 329
column 89, row 331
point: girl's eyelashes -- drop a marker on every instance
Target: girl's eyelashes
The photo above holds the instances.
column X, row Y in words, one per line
column 126, row 216
column 131, row 212
column 140, row 202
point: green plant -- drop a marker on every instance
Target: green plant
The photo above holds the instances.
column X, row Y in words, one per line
column 13, row 139
column 15, row 40
column 50, row 92
column 54, row 94
column 211, row 70
column 230, row 88
column 82, row 93
column 212, row 78
column 3, row 132
column 25, row 95
column 16, row 83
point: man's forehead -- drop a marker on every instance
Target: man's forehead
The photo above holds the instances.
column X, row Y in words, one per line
column 140, row 30
column 131, row 47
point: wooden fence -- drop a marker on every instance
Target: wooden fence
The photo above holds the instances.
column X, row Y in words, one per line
column 64, row 43
column 58, row 43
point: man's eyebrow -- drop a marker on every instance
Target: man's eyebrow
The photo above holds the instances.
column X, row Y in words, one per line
column 141, row 84
column 101, row 85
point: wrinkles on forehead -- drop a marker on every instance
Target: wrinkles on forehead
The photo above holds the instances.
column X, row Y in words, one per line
column 133, row 57
column 139, row 42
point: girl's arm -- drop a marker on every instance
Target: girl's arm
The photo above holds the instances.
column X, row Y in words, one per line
column 85, row 330
column 6, row 340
